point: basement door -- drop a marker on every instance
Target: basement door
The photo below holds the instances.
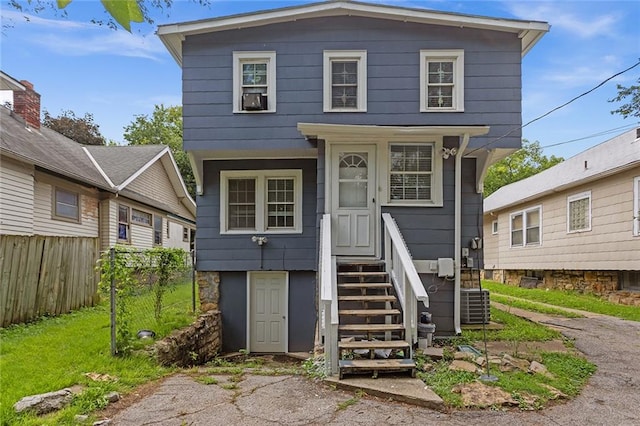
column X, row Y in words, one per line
column 268, row 312
column 353, row 215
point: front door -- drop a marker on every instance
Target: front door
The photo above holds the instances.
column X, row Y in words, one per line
column 353, row 218
column 268, row 311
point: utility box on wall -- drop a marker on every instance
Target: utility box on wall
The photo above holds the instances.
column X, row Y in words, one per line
column 474, row 306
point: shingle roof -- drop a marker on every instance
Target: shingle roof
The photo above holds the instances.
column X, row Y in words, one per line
column 121, row 162
column 617, row 154
column 47, row 149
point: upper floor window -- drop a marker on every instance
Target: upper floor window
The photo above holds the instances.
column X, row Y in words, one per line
column 254, row 81
column 414, row 174
column 579, row 212
column 66, row 204
column 441, row 80
column 261, row 201
column 526, row 227
column 345, row 80
column 494, row 227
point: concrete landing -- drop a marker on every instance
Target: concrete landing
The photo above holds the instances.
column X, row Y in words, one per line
column 403, row 389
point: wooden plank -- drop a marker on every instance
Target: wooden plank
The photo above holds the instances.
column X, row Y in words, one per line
column 377, row 364
column 362, row 298
column 362, row 274
column 6, row 255
column 34, row 255
column 13, row 303
column 374, row 344
column 364, row 285
column 369, row 312
column 371, row 327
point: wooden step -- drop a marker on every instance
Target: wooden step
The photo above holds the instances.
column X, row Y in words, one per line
column 369, row 312
column 365, row 285
column 373, row 344
column 361, row 274
column 367, row 298
column 371, row 328
column 376, row 365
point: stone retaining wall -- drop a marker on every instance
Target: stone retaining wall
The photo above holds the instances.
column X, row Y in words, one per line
column 599, row 283
column 194, row 345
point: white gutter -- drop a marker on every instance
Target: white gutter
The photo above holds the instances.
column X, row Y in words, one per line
column 458, row 233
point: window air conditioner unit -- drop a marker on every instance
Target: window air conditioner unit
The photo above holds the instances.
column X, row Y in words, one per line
column 474, row 306
column 254, row 102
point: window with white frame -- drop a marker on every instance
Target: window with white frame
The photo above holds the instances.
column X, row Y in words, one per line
column 414, row 174
column 526, row 227
column 494, row 227
column 254, row 81
column 579, row 212
column 345, row 80
column 157, row 230
column 441, row 80
column 636, row 206
column 124, row 224
column 66, row 205
column 140, row 217
column 268, row 201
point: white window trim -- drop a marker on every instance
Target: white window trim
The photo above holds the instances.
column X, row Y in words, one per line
column 577, row 197
column 524, row 228
column 436, row 175
column 238, row 58
column 457, row 56
column 636, row 206
column 261, row 177
column 63, row 218
column 361, row 57
column 494, row 227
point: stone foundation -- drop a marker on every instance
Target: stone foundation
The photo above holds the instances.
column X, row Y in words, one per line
column 208, row 290
column 194, row 345
column 600, row 283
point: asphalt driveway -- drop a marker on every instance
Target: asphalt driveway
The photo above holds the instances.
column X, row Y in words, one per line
column 612, row 396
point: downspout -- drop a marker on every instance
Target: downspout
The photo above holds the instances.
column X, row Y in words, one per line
column 458, row 233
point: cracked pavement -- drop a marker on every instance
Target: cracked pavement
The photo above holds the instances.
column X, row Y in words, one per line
column 612, row 396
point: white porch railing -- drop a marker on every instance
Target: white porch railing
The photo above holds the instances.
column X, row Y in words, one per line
column 328, row 306
column 404, row 277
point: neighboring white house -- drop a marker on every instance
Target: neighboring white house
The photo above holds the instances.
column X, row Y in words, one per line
column 53, row 186
column 574, row 226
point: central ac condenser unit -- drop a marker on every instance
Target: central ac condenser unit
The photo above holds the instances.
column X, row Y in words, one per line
column 474, row 306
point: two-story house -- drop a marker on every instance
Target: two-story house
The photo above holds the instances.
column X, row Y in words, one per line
column 350, row 137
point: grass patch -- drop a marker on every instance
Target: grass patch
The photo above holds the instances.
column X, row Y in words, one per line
column 56, row 352
column 515, row 329
column 533, row 306
column 567, row 299
column 570, row 372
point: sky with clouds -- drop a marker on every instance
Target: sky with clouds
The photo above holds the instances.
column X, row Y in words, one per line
column 115, row 75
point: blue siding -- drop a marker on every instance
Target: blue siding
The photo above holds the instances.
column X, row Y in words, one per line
column 283, row 252
column 492, row 80
column 301, row 318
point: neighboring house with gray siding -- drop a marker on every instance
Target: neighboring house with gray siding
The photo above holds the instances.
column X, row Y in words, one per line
column 53, row 186
column 573, row 226
column 347, row 111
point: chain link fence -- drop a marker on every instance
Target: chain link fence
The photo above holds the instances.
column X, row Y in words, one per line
column 152, row 292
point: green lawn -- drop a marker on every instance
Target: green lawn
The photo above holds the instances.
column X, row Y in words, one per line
column 54, row 353
column 567, row 299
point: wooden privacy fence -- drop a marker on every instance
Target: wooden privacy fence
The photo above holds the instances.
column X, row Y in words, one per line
column 42, row 275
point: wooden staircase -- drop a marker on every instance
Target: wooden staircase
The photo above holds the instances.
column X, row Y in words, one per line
column 370, row 325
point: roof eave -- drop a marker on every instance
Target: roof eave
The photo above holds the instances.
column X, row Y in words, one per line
column 172, row 35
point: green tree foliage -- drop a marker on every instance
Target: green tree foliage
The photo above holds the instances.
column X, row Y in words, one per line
column 523, row 163
column 164, row 127
column 121, row 12
column 80, row 129
column 632, row 107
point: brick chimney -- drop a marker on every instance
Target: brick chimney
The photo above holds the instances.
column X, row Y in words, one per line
column 26, row 103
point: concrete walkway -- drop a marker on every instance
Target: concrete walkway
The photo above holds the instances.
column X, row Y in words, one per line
column 612, row 396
